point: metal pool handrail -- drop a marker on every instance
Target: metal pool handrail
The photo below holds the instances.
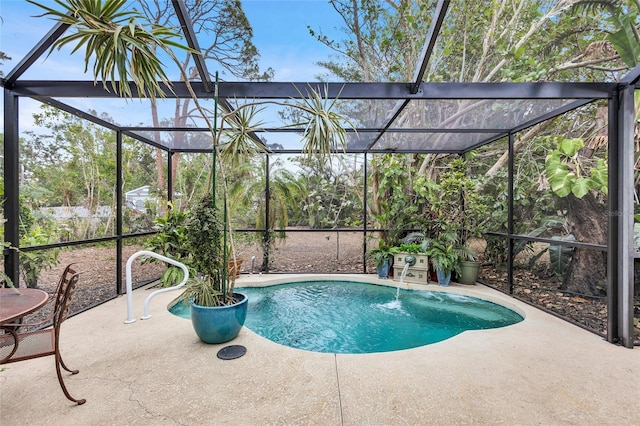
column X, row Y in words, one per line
column 146, row 315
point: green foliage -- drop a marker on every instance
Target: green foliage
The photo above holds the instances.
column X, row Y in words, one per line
column 324, row 128
column 239, row 145
column 204, row 229
column 457, row 206
column 33, row 231
column 27, row 218
column 479, row 41
column 327, row 192
column 192, row 180
column 532, row 201
column 171, row 276
column 382, row 253
column 449, row 206
column 33, row 262
column 496, row 249
column 625, row 40
column 567, row 173
column 248, row 201
column 4, row 278
column 84, row 156
column 121, row 44
column 560, row 256
column 619, row 20
column 203, row 291
column 410, row 248
column 402, row 199
column 171, row 241
column 444, row 256
column 390, row 37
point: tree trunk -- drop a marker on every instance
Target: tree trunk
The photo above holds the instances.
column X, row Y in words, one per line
column 636, row 278
column 587, row 270
column 159, row 157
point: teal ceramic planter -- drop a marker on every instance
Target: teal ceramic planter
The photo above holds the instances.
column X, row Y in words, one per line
column 219, row 324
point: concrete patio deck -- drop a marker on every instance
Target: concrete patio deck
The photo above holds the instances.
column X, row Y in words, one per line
column 542, row 371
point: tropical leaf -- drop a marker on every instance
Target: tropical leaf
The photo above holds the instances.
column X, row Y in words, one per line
column 239, row 143
column 624, row 41
column 600, row 176
column 581, row 187
column 562, row 182
column 558, row 175
column 570, row 147
column 324, row 129
column 119, row 45
column 553, row 163
column 559, row 256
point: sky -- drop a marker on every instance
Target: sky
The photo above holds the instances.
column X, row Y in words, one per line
column 282, row 37
column 280, row 34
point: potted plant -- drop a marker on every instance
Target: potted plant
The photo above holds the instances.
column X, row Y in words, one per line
column 445, row 258
column 460, row 214
column 217, row 312
column 383, row 256
column 474, row 214
column 469, row 269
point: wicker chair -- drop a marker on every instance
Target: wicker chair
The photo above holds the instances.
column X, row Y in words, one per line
column 22, row 346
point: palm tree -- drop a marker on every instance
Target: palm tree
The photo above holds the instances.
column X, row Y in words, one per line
column 247, row 193
column 622, row 16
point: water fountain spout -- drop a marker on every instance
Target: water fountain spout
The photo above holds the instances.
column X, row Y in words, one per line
column 409, row 261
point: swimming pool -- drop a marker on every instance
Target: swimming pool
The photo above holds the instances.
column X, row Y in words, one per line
column 351, row 317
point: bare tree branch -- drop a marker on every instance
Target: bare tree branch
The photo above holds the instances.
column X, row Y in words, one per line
column 571, row 64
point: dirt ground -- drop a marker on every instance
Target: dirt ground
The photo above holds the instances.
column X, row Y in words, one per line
column 312, row 252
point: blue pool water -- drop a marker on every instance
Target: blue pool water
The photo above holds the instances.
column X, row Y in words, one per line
column 348, row 317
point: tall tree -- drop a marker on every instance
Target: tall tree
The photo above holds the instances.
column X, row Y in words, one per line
column 480, row 41
column 84, row 155
column 225, row 38
column 586, row 202
column 248, row 201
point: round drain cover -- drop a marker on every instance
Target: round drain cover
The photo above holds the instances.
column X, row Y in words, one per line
column 232, row 352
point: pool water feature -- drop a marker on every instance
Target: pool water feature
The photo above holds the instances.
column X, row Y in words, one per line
column 351, row 318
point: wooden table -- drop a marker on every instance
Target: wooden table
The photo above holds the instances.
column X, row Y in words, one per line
column 14, row 306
